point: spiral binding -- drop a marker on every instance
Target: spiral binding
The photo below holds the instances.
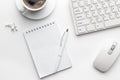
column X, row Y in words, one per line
column 38, row 28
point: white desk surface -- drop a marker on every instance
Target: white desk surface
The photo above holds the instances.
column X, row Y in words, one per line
column 16, row 62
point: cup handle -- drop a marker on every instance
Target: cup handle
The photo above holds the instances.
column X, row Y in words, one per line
column 23, row 10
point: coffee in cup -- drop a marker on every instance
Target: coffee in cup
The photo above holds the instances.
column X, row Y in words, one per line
column 34, row 5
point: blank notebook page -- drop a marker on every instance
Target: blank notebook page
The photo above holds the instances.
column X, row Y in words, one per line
column 43, row 43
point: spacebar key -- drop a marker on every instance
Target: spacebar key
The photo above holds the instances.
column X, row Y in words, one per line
column 112, row 23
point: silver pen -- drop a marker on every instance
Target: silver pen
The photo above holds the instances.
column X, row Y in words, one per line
column 62, row 47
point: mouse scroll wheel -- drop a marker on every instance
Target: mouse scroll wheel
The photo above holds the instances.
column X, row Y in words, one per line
column 113, row 46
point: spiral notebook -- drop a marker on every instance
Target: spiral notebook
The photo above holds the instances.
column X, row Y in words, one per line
column 43, row 44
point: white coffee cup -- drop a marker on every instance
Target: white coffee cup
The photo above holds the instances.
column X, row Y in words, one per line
column 26, row 8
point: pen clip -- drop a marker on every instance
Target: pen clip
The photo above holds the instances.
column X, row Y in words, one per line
column 62, row 38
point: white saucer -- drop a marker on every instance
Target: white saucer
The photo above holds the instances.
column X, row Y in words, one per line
column 47, row 10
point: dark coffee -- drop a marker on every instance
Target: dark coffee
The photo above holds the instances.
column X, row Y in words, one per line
column 34, row 4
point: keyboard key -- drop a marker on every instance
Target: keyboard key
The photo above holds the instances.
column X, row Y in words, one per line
column 107, row 10
column 82, row 30
column 80, row 16
column 112, row 15
column 86, row 8
column 87, row 2
column 99, row 18
column 101, row 1
column 81, row 2
column 92, row 7
column 83, row 22
column 88, row 14
column 93, row 20
column 114, row 9
column 98, row 6
column 118, row 14
column 105, row 17
column 94, row 13
column 112, row 23
column 105, row 4
column 100, row 26
column 118, row 2
column 78, row 10
column 75, row 5
column 112, row 3
column 100, row 11
column 94, row 1
column 118, row 6
column 90, row 27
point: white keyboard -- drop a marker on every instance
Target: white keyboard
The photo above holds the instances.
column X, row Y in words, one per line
column 94, row 15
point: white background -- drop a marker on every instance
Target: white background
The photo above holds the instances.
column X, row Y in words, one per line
column 16, row 62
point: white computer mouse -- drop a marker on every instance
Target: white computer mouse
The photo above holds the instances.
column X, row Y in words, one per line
column 107, row 56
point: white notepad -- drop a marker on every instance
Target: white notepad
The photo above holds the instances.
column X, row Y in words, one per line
column 43, row 43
